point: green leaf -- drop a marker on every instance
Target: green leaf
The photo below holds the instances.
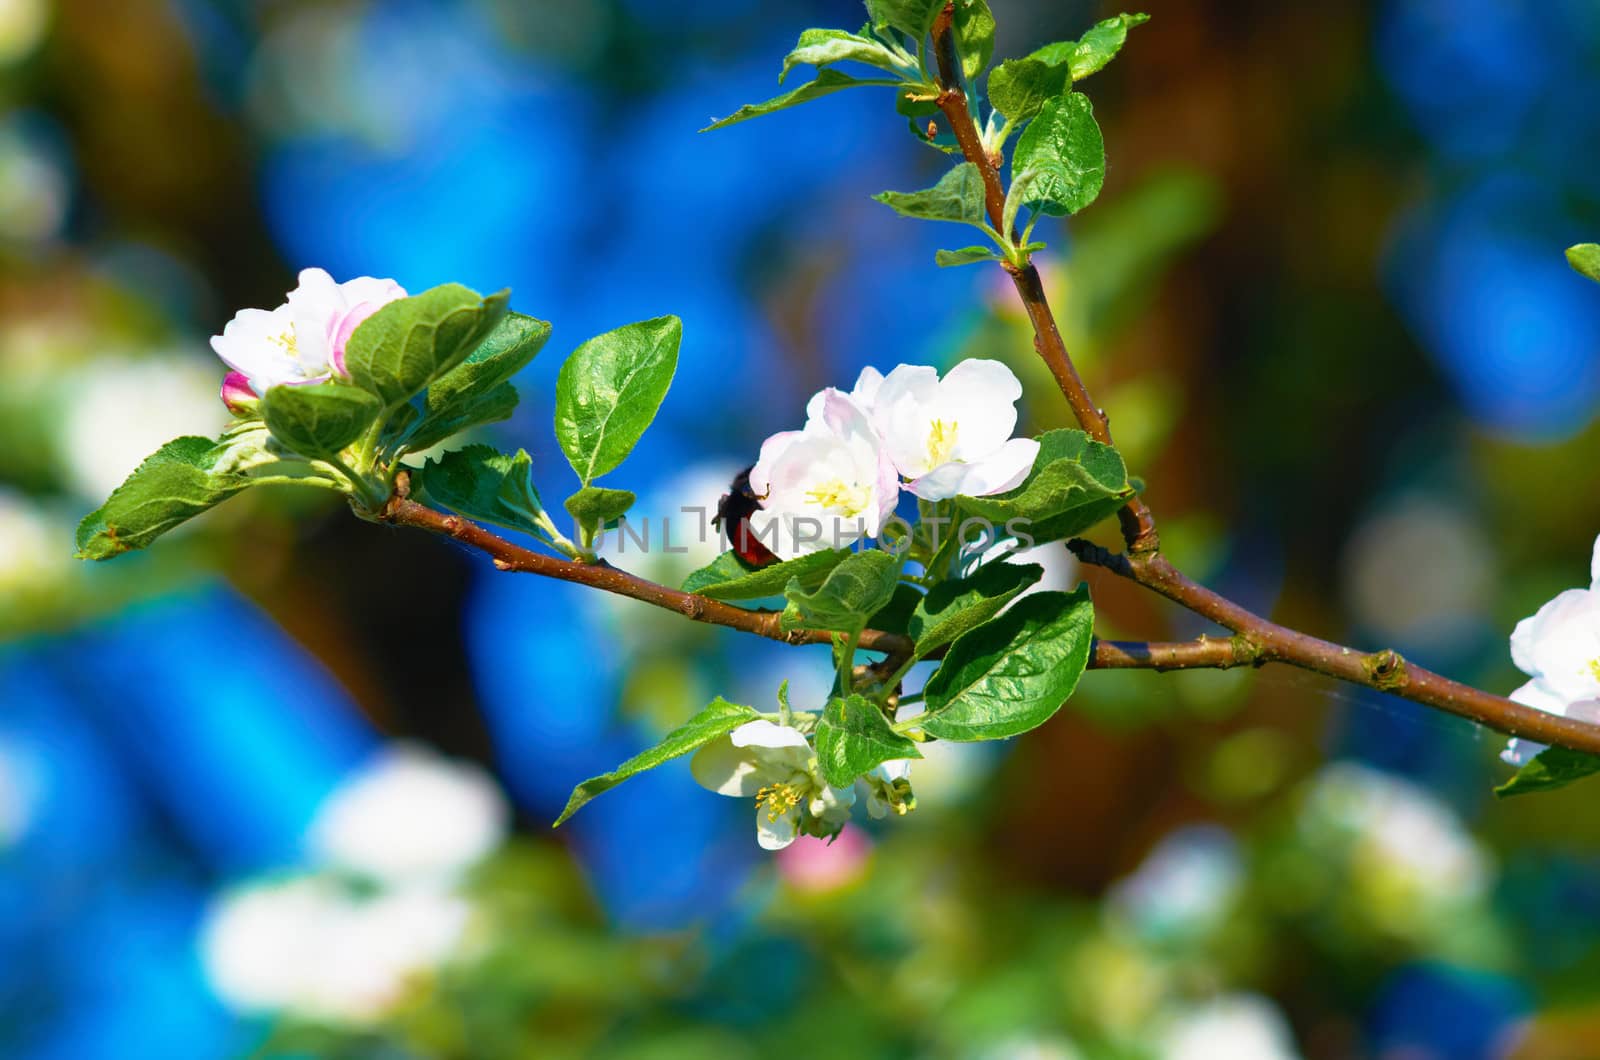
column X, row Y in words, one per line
column 1094, row 49
column 1585, row 259
column 406, row 345
column 853, row 736
column 911, row 17
column 475, row 391
column 957, row 197
column 1554, row 767
column 1060, row 159
column 174, row 484
column 1013, row 672
column 485, row 484
column 825, row 83
column 1075, row 482
column 727, row 578
column 974, row 26
column 862, row 584
column 718, row 719
column 1019, row 88
column 954, row 607
column 895, row 616
column 609, row 390
column 819, row 47
column 595, row 506
column 965, row 256
column 320, row 419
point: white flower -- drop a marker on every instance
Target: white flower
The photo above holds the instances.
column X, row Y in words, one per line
column 1184, row 886
column 826, row 486
column 775, row 765
column 1560, row 649
column 950, row 436
column 309, row 947
column 303, row 340
column 411, row 815
column 887, row 789
column 1236, row 1027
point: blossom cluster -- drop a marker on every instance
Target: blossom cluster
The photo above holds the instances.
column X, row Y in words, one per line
column 1559, row 648
column 776, row 765
column 301, row 341
column 838, row 479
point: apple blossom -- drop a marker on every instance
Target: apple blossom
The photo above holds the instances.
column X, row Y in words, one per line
column 1559, row 648
column 824, row 486
column 303, row 340
column 886, row 788
column 774, row 764
column 411, row 815
column 950, row 436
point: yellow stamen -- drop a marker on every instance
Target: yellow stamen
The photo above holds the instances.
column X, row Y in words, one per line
column 1594, row 669
column 941, row 442
column 841, row 497
column 779, row 799
column 288, row 342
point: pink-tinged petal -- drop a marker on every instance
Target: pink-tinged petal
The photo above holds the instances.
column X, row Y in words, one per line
column 237, row 395
column 771, row 451
column 865, row 392
column 843, row 415
column 342, row 327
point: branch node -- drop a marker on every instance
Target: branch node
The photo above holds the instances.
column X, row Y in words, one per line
column 693, row 607
column 1247, row 651
column 1385, row 669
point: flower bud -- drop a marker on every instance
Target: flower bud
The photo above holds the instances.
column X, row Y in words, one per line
column 237, row 395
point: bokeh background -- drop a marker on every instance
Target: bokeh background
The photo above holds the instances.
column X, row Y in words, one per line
column 281, row 787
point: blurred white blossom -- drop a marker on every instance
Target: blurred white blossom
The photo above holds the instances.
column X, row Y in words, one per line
column 1402, row 833
column 308, row 947
column 411, row 815
column 121, row 411
column 1232, row 1027
column 33, row 547
column 1186, row 885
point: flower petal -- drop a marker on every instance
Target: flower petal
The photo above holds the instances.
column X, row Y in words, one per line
column 1001, row 471
column 980, row 397
column 763, row 733
column 727, row 770
column 775, row 834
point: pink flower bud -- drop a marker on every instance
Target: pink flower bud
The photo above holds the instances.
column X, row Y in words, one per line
column 237, row 395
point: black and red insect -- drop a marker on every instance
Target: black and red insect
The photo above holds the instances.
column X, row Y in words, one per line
column 733, row 518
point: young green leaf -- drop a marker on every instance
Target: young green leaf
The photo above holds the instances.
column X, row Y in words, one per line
column 474, row 392
column 957, row 197
column 485, row 484
column 595, row 506
column 1094, row 50
column 1013, row 672
column 952, row 608
column 965, row 256
column 1060, row 159
column 174, row 484
column 727, row 578
column 895, row 616
column 716, row 720
column 853, row 736
column 1019, row 88
column 319, row 419
column 1585, row 259
column 609, row 390
column 911, row 17
column 1554, row 767
column 860, row 585
column 825, row 83
column 974, row 29
column 819, row 47
column 1074, row 478
column 406, row 345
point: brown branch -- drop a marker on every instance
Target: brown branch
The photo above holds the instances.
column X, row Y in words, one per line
column 1257, row 638
column 1266, row 641
column 1138, row 525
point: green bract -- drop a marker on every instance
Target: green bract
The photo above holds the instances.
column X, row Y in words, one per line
column 321, row 419
column 406, row 345
column 718, row 719
column 1013, row 672
column 853, row 736
column 728, row 578
column 609, row 390
column 860, row 585
column 481, row 483
column 478, row 390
